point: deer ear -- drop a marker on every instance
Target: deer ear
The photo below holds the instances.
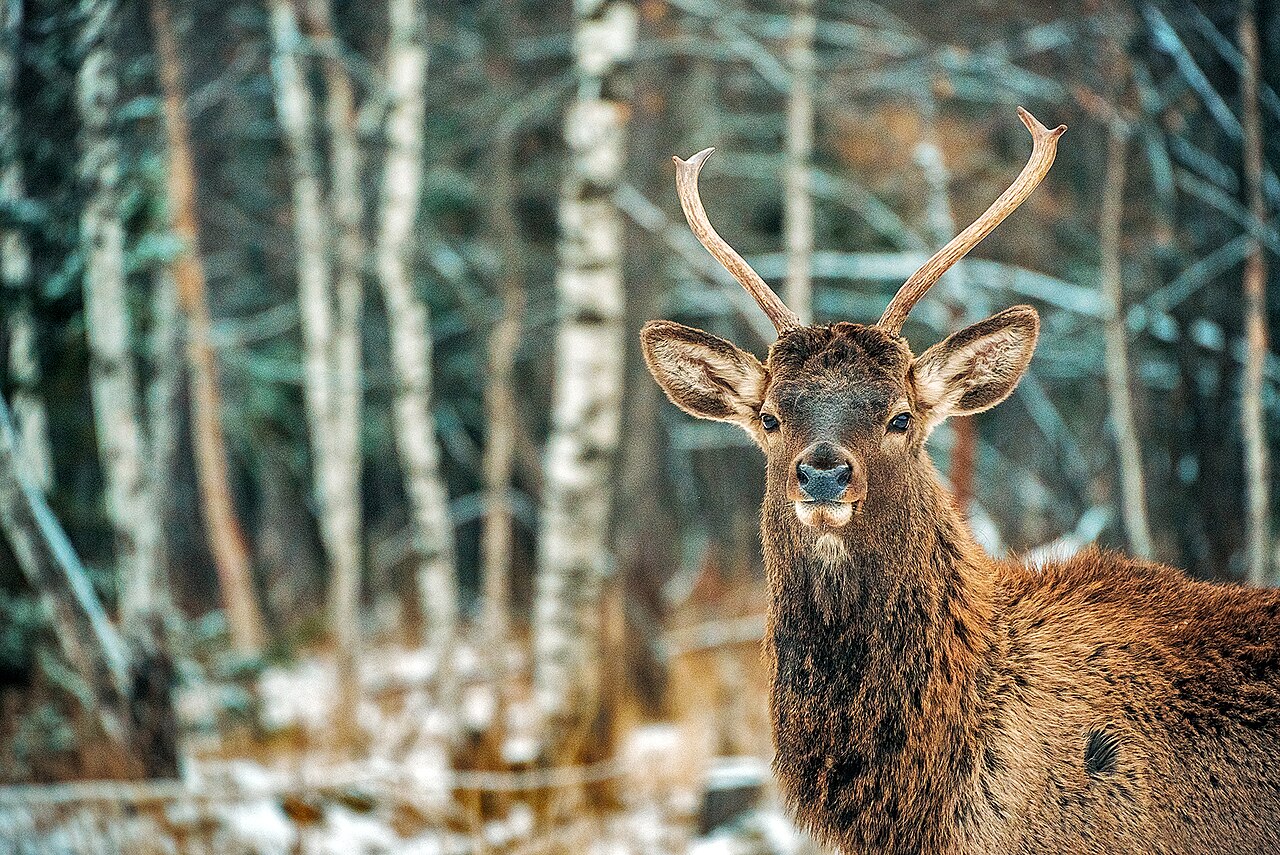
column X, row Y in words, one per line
column 977, row 367
column 704, row 375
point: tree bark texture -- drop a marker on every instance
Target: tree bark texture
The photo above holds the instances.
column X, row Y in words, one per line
column 798, row 202
column 15, row 268
column 347, row 207
column 1133, row 491
column 409, row 323
column 121, row 444
column 337, row 499
column 1258, row 560
column 501, row 414
column 86, row 637
column 574, row 543
column 226, row 536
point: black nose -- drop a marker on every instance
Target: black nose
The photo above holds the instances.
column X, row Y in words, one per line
column 825, row 482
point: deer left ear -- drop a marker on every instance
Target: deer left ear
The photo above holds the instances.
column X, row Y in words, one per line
column 977, row 367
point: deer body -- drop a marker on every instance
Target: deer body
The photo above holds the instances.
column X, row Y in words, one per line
column 926, row 698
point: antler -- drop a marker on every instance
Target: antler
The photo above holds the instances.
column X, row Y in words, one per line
column 1044, row 148
column 687, row 187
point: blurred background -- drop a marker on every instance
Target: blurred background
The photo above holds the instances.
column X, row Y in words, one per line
column 339, row 512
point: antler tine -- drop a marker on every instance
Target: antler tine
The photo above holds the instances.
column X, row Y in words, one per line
column 1044, row 148
column 687, row 188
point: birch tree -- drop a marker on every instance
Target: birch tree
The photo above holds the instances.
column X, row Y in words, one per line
column 574, row 546
column 15, row 266
column 326, row 355
column 226, row 537
column 121, row 445
column 1133, row 491
column 798, row 202
column 1257, row 454
column 347, row 208
column 85, row 635
column 409, row 322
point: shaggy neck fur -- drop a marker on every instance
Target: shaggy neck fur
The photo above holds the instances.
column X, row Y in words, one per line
column 880, row 659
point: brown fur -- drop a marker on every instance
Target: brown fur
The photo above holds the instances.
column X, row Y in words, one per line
column 929, row 699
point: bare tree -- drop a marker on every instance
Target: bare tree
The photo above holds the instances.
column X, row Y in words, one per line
column 501, row 415
column 226, row 537
column 130, row 503
column 573, row 546
column 1133, row 502
column 347, row 207
column 324, row 387
column 1258, row 562
column 15, row 267
column 86, row 637
column 798, row 202
column 409, row 321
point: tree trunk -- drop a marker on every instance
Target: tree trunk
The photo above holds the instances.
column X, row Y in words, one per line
column 87, row 639
column 409, row 323
column 574, row 544
column 121, row 445
column 1258, row 562
column 501, row 414
column 941, row 227
column 347, row 204
column 798, row 203
column 336, row 498
column 15, row 269
column 1133, row 491
column 226, row 536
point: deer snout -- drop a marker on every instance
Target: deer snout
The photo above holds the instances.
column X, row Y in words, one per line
column 823, row 473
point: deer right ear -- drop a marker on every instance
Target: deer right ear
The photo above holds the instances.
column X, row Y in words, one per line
column 704, row 375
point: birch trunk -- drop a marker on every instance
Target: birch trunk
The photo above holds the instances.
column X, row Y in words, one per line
column 409, row 323
column 226, row 536
column 1258, row 561
column 1133, row 491
column 121, row 446
column 15, row 269
column 798, row 210
column 336, row 500
column 574, row 544
column 347, row 205
column 87, row 639
column 501, row 415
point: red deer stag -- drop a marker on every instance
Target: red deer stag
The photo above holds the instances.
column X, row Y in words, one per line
column 925, row 697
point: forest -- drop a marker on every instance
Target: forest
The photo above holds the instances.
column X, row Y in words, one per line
column 339, row 511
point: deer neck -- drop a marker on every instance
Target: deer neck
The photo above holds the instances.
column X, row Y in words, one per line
column 880, row 645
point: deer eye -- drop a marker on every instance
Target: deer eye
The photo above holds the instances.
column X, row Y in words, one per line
column 769, row 422
column 898, row 423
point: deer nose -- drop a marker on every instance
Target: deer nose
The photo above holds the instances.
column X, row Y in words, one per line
column 823, row 474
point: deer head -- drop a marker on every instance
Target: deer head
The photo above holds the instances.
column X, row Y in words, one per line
column 842, row 411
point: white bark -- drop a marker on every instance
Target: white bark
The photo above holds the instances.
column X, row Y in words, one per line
column 409, row 323
column 86, row 637
column 15, row 269
column 574, row 545
column 798, row 203
column 347, row 205
column 121, row 445
column 1133, row 499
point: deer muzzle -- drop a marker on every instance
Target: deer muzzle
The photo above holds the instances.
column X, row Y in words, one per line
column 827, row 484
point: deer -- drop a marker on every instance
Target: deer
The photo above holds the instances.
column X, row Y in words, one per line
column 925, row 697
